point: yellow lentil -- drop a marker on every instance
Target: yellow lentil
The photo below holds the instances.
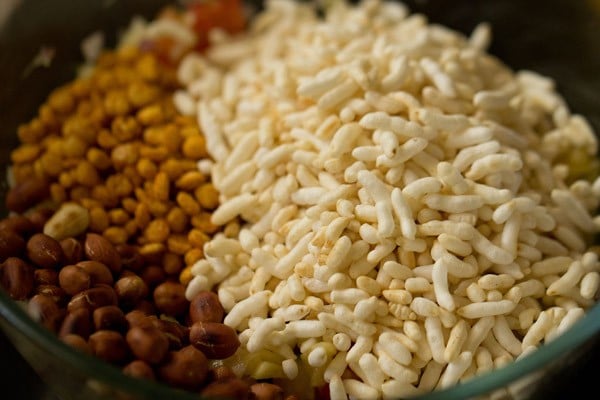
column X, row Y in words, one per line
column 157, row 231
column 186, row 276
column 177, row 219
column 187, row 203
column 178, row 244
column 193, row 255
column 116, row 235
column 114, row 143
column 99, row 220
column 207, row 196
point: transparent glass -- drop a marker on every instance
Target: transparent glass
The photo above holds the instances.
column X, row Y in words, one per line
column 555, row 38
column 73, row 375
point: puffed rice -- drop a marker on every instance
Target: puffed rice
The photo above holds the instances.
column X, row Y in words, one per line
column 402, row 214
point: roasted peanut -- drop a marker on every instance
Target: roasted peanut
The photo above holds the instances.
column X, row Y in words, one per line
column 77, row 342
column 72, row 250
column 98, row 248
column 215, row 340
column 130, row 290
column 148, row 343
column 231, row 388
column 137, row 317
column 45, row 310
column 17, row 278
column 109, row 318
column 39, row 216
column 73, row 279
column 45, row 277
column 98, row 296
column 109, row 346
column 130, row 257
column 205, row 307
column 266, row 391
column 53, row 291
column 186, row 368
column 221, row 372
column 19, row 224
column 139, row 369
column 146, row 306
column 76, row 322
column 69, row 220
column 98, row 272
column 26, row 194
column 153, row 275
column 177, row 334
column 11, row 244
column 169, row 298
column 44, row 251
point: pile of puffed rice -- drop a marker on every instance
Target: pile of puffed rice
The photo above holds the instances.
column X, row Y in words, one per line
column 407, row 219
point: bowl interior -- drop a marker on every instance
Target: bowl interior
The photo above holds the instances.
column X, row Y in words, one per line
column 549, row 37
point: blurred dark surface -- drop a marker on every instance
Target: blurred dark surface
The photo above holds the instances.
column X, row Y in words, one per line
column 557, row 38
column 17, row 377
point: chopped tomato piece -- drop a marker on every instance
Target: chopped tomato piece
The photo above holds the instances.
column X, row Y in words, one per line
column 208, row 14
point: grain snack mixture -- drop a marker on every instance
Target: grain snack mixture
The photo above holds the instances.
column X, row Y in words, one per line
column 411, row 212
column 113, row 143
column 107, row 208
column 360, row 202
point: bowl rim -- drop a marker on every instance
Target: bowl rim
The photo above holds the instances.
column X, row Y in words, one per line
column 105, row 373
column 96, row 369
column 578, row 334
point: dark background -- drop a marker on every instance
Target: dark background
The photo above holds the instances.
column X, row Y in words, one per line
column 532, row 34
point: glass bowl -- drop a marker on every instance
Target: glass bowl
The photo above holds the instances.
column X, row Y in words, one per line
column 554, row 38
